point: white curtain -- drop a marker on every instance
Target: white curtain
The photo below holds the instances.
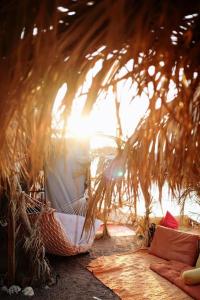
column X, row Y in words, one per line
column 66, row 177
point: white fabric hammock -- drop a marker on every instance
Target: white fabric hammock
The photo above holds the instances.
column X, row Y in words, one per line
column 63, row 234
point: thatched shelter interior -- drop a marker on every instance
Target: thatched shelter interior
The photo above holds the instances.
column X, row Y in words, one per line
column 129, row 67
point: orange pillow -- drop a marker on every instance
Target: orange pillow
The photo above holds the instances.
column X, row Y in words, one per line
column 172, row 244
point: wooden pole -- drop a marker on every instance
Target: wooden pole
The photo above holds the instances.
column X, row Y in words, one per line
column 11, row 244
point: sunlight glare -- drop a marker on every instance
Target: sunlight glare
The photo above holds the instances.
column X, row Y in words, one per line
column 79, row 127
column 100, row 126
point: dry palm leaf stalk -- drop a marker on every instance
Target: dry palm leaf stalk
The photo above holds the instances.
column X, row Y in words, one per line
column 46, row 43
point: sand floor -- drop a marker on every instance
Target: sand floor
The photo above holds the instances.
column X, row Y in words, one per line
column 75, row 282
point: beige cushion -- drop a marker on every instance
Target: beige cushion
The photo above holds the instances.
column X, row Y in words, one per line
column 198, row 262
column 191, row 277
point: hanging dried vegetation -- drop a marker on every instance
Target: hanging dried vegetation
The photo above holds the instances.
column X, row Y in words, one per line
column 46, row 43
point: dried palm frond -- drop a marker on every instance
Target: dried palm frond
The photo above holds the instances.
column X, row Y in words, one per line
column 39, row 271
column 44, row 46
column 46, row 43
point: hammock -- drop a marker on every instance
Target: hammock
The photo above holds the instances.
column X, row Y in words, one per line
column 62, row 219
column 62, row 234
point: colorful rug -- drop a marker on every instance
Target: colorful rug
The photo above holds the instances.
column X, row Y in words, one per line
column 129, row 276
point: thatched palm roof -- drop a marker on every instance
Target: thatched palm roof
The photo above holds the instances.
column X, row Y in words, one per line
column 46, row 43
